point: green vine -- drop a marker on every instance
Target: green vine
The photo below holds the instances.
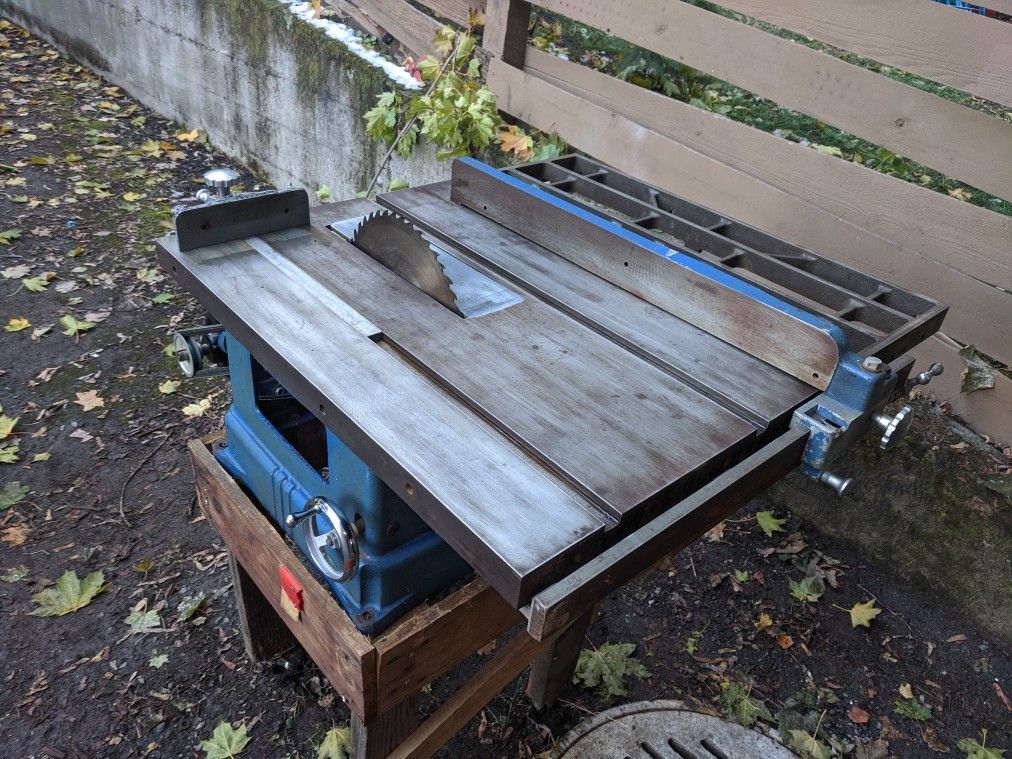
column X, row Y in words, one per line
column 457, row 112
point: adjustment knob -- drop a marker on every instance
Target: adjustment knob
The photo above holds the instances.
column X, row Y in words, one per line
column 334, row 551
column 925, row 377
column 188, row 353
column 221, row 179
column 894, row 428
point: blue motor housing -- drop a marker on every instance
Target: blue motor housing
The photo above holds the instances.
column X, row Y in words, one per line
column 284, row 456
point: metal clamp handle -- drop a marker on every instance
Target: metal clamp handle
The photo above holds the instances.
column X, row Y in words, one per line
column 925, row 377
column 341, row 539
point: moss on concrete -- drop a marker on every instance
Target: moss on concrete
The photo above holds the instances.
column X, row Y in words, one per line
column 923, row 511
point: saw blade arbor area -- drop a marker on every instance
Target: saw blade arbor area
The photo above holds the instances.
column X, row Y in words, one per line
column 398, row 244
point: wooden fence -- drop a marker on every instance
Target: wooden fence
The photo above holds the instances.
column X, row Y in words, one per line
column 940, row 245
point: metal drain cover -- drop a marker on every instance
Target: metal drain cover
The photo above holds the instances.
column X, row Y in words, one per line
column 665, row 730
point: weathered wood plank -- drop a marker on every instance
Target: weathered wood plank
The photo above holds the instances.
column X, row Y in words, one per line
column 457, row 11
column 963, row 50
column 323, row 628
column 916, row 124
column 432, row 639
column 467, row 701
column 664, row 162
column 558, row 606
column 505, row 35
column 409, row 26
column 553, row 670
column 481, row 493
column 974, row 241
column 264, row 633
column 386, row 731
column 681, row 348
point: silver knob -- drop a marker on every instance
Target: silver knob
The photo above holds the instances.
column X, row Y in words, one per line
column 341, row 539
column 925, row 377
column 187, row 353
column 894, row 428
column 220, row 179
column 835, row 481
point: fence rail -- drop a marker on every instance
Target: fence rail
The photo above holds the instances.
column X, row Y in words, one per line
column 949, row 249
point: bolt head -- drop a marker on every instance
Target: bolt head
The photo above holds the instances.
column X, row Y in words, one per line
column 872, row 364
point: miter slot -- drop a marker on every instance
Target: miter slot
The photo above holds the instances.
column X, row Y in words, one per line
column 752, row 389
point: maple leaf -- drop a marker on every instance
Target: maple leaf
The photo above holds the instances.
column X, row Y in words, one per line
column 198, row 408
column 807, row 746
column 16, row 272
column 168, row 387
column 37, row 284
column 69, row 594
column 7, row 425
column 73, row 327
column 912, row 709
column 764, row 623
column 809, row 589
column 8, row 235
column 142, row 619
column 225, row 742
column 336, row 744
column 156, row 662
column 514, row 140
column 16, row 535
column 89, row 400
column 769, row 523
column 14, row 574
column 857, row 715
column 737, row 702
column 133, row 197
column 12, row 493
column 9, row 453
column 191, row 136
column 975, row 750
column 17, row 324
column 607, row 667
column 863, row 613
column 715, row 533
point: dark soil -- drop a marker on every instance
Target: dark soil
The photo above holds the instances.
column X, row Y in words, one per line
column 116, row 495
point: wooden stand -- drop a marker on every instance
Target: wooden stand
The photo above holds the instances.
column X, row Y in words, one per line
column 379, row 677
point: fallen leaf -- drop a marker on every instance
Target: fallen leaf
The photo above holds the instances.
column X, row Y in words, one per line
column 7, row 425
column 785, row 641
column 716, row 532
column 9, row 453
column 197, row 409
column 862, row 614
column 607, row 667
column 9, row 234
column 15, row 535
column 133, row 197
column 82, row 435
column 857, row 715
column 225, row 742
column 89, row 400
column 41, row 457
column 514, row 140
column 15, row 574
column 16, row 272
column 764, row 622
column 190, row 136
column 336, row 744
column 17, row 324
column 69, row 594
column 769, row 523
column 73, row 327
column 141, row 619
column 808, row 589
column 169, row 386
column 906, row 690
column 157, row 662
column 912, row 709
column 12, row 493
column 807, row 746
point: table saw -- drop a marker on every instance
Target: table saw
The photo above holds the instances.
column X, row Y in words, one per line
column 550, row 375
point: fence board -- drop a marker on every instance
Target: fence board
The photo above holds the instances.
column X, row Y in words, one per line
column 456, row 11
column 967, row 238
column 412, row 28
column 963, row 50
column 928, row 129
column 660, row 160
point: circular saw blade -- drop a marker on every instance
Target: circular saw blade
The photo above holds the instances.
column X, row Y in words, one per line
column 397, row 244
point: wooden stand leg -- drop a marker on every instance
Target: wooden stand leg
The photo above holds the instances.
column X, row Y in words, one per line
column 554, row 667
column 386, row 732
column 263, row 631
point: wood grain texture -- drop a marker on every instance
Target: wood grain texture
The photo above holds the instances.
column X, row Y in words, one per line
column 457, row 11
column 324, row 629
column 432, row 639
column 413, row 29
column 264, row 633
column 481, row 493
column 662, row 161
column 973, row 241
column 505, row 35
column 557, row 607
column 553, row 670
column 963, row 50
column 386, row 731
column 470, row 698
column 797, row 348
column 761, row 392
column 916, row 124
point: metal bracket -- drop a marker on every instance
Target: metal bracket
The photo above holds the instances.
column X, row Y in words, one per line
column 239, row 216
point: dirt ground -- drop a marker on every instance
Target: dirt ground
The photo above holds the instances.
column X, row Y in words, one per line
column 97, row 480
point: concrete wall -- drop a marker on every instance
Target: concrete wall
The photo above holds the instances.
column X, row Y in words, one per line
column 267, row 88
